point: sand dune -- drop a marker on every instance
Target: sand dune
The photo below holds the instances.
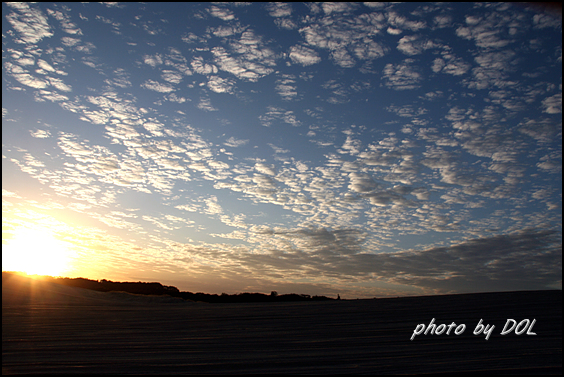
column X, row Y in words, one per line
column 48, row 328
column 20, row 289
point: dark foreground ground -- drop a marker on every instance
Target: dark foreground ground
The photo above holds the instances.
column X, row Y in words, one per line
column 48, row 328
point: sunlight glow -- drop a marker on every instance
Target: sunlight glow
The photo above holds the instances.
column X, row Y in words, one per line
column 36, row 251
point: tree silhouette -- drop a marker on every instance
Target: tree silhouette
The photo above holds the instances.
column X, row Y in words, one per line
column 155, row 288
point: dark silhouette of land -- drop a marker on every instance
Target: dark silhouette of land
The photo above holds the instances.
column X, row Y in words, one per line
column 153, row 288
column 54, row 328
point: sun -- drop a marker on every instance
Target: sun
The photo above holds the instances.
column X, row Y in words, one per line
column 35, row 252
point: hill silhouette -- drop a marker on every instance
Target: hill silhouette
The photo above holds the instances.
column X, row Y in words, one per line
column 158, row 289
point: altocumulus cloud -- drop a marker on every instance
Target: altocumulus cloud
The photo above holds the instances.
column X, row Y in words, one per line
column 367, row 149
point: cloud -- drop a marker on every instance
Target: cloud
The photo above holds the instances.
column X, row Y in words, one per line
column 414, row 45
column 402, row 76
column 205, row 104
column 279, row 9
column 131, row 173
column 369, row 50
column 553, row 105
column 31, row 24
column 264, row 169
column 242, row 67
column 285, row 23
column 286, row 87
column 325, row 243
column 121, row 78
column 154, row 127
column 495, row 144
column 351, row 146
column 202, row 68
column 360, row 182
column 340, row 93
column 543, row 130
column 21, row 58
column 278, row 150
column 225, row 31
column 545, row 20
column 329, row 8
column 346, row 35
column 234, row 143
column 24, row 77
column 247, row 58
column 78, row 45
column 157, row 222
column 541, row 194
column 388, row 197
column 551, row 163
column 41, row 134
column 172, row 77
column 157, row 86
column 442, row 21
column 277, row 113
column 515, row 261
column 343, row 58
column 401, row 22
column 213, row 207
column 453, row 66
column 407, row 111
column 153, row 60
column 187, row 207
column 492, row 70
column 59, row 84
column 66, row 24
column 303, row 55
column 262, row 189
column 70, row 42
column 115, row 25
column 224, row 14
column 487, row 32
column 220, row 85
column 97, row 160
column 45, row 66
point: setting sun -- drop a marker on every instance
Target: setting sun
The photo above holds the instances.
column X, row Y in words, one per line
column 35, row 252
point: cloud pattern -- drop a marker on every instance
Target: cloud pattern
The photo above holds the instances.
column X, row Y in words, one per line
column 368, row 149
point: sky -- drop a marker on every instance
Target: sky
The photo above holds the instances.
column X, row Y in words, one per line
column 360, row 149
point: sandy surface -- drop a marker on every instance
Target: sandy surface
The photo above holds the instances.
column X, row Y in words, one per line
column 48, row 328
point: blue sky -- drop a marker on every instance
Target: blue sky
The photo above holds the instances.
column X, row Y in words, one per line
column 366, row 149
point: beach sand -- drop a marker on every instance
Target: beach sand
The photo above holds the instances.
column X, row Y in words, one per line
column 49, row 328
